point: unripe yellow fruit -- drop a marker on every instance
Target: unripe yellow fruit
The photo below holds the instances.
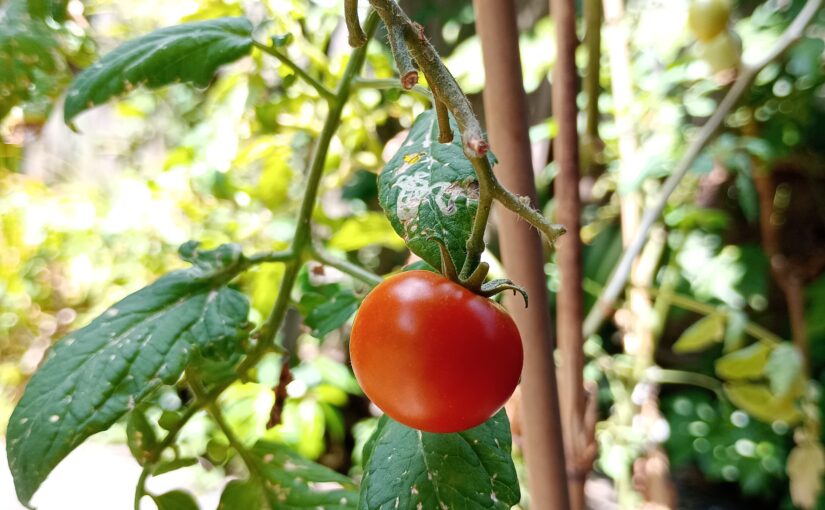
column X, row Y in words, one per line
column 721, row 53
column 708, row 18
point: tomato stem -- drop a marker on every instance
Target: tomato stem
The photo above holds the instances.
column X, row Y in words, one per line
column 357, row 37
column 320, row 88
column 301, row 240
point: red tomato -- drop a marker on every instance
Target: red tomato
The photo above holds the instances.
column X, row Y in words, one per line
column 433, row 355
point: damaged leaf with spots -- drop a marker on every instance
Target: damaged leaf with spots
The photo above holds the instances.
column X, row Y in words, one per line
column 409, row 469
column 430, row 190
column 95, row 375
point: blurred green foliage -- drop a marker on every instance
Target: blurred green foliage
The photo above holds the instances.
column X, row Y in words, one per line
column 86, row 218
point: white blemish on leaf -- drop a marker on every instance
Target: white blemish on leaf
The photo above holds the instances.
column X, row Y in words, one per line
column 54, row 418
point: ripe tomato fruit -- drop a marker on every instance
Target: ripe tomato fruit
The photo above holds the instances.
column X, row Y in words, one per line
column 708, row 18
column 433, row 355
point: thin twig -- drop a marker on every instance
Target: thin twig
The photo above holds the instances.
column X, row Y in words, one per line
column 357, row 37
column 266, row 334
column 301, row 240
column 668, row 376
column 269, row 256
column 140, row 488
column 522, row 207
column 320, row 88
column 692, row 305
column 372, row 83
column 619, row 276
column 344, row 266
column 445, row 132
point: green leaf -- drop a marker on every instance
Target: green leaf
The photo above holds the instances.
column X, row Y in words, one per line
column 95, row 375
column 55, row 9
column 191, row 52
column 429, row 189
column 758, row 401
column 409, row 469
column 295, row 483
column 702, row 334
column 173, row 465
column 140, row 436
column 747, row 363
column 242, row 495
column 28, row 60
column 734, row 330
column 332, row 314
column 784, row 368
column 175, row 500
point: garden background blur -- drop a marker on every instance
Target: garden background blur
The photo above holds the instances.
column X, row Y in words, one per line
column 91, row 214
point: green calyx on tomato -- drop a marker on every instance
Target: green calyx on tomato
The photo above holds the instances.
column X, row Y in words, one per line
column 475, row 282
column 432, row 354
column 708, row 18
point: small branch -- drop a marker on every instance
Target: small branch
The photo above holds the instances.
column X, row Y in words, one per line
column 269, row 256
column 345, row 266
column 357, row 37
column 490, row 189
column 403, row 59
column 140, row 488
column 475, row 243
column 619, row 277
column 445, row 132
column 301, row 240
column 667, row 376
column 173, row 432
column 692, row 305
column 522, row 207
column 266, row 334
column 443, row 83
column 367, row 83
column 321, row 89
column 215, row 411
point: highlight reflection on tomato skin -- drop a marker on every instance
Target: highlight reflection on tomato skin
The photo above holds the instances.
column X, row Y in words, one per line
column 433, row 355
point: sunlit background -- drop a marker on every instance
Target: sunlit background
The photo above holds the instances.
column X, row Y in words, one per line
column 90, row 214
